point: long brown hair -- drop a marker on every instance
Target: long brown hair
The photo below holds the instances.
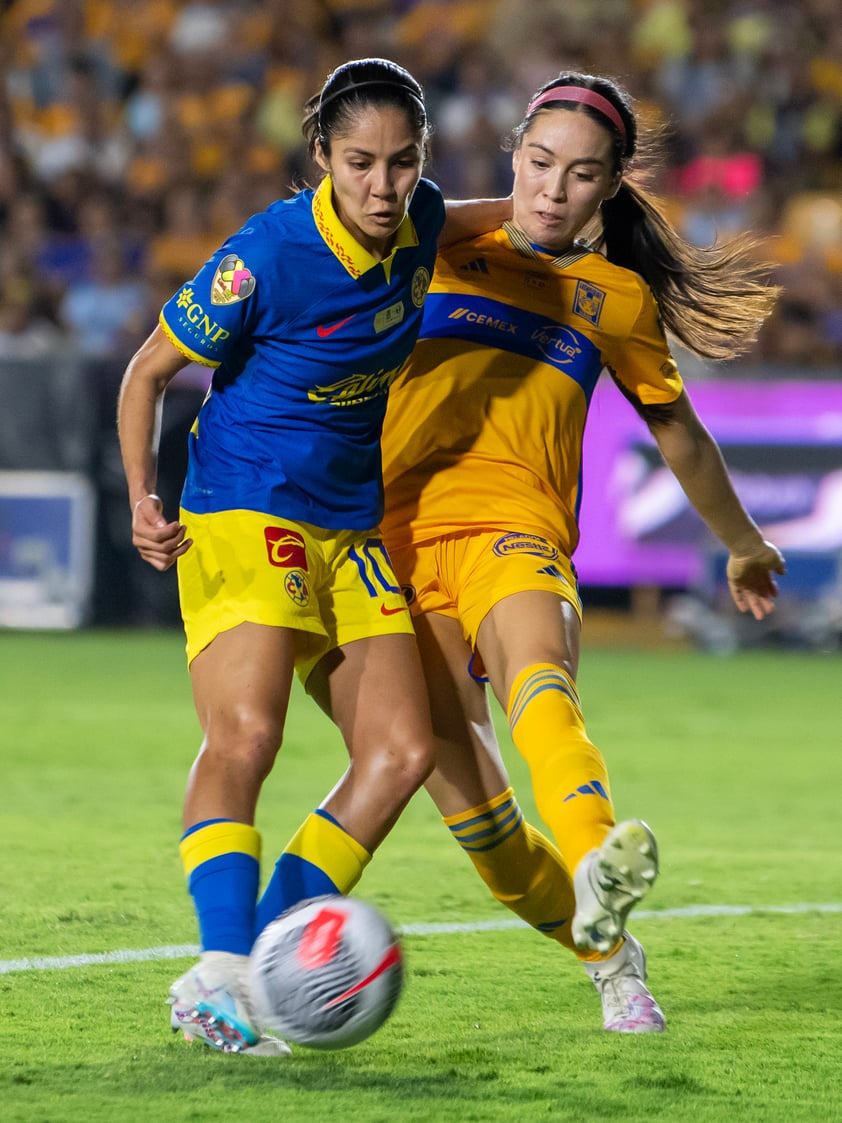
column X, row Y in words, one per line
column 712, row 299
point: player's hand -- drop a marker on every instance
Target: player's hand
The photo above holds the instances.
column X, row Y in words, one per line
column 158, row 542
column 750, row 578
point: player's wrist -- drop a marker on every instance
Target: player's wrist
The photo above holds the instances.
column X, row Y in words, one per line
column 149, row 495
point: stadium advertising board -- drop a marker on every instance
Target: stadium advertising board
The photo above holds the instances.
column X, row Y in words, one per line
column 782, row 442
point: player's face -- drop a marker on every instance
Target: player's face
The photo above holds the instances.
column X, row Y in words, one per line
column 564, row 169
column 374, row 168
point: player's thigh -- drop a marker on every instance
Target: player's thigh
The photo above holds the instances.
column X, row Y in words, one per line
column 534, row 626
column 362, row 601
column 242, row 680
column 375, row 692
column 469, row 767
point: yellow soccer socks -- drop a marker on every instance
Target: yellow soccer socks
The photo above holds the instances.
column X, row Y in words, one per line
column 521, row 867
column 569, row 776
column 320, row 858
column 221, row 859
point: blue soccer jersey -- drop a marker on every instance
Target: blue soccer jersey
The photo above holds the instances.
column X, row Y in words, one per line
column 307, row 331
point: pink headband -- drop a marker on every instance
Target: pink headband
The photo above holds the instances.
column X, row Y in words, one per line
column 585, row 97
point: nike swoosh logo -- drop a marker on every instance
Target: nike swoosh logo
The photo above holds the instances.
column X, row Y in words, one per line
column 391, row 611
column 324, row 332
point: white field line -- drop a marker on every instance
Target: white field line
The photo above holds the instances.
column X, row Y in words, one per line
column 188, row 951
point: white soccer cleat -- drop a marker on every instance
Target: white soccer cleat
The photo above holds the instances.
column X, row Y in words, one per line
column 210, row 1003
column 627, row 1005
column 610, row 881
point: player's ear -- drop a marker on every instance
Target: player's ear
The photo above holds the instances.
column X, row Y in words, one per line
column 516, row 160
column 614, row 186
column 321, row 158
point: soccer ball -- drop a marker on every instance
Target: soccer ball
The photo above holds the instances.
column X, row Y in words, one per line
column 327, row 973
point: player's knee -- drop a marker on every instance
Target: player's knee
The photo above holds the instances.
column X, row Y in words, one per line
column 246, row 740
column 420, row 762
column 403, row 769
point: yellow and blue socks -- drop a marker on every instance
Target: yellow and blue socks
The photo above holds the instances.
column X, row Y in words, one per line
column 521, row 867
column 221, row 859
column 569, row 776
column 320, row 858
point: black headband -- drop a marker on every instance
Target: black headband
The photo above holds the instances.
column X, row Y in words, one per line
column 323, row 100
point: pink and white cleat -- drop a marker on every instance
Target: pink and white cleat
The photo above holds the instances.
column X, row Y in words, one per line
column 627, row 1005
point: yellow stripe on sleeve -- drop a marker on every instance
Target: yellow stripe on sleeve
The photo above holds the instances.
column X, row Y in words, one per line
column 193, row 356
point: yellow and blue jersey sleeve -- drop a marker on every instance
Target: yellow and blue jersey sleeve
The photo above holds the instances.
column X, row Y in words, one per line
column 201, row 327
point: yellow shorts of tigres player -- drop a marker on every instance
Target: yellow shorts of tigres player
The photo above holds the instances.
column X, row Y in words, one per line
column 332, row 587
column 465, row 575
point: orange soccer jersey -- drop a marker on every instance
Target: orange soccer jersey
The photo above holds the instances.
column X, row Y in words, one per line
column 485, row 421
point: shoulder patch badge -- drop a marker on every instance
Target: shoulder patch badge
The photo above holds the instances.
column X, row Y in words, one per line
column 232, row 281
column 588, row 302
column 420, row 284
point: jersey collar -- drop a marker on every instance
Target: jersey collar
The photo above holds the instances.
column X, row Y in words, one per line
column 344, row 246
column 521, row 243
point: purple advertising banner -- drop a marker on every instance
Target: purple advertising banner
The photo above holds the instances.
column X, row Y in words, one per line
column 782, row 442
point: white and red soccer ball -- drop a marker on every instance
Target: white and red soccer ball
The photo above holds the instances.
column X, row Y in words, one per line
column 327, row 973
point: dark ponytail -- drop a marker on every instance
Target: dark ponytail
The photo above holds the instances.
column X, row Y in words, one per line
column 712, row 299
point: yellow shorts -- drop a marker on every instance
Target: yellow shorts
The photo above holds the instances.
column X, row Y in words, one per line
column 465, row 575
column 332, row 587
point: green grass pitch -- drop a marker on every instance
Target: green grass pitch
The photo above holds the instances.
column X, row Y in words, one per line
column 735, row 761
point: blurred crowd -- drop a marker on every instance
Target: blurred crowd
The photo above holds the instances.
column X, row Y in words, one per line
column 135, row 135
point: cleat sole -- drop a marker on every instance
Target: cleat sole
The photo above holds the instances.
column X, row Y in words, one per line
column 610, row 881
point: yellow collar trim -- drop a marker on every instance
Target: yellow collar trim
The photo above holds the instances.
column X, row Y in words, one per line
column 341, row 242
column 524, row 247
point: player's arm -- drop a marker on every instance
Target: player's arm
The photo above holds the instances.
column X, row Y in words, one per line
column 139, row 409
column 465, row 218
column 694, row 458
